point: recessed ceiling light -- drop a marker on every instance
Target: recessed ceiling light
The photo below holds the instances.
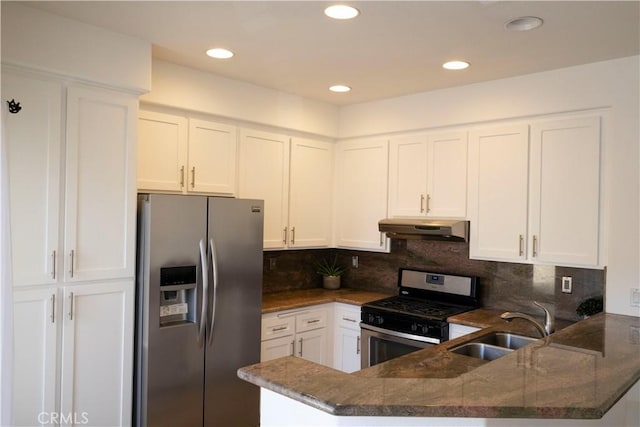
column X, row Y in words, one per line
column 220, row 53
column 339, row 88
column 524, row 23
column 341, row 11
column 455, row 65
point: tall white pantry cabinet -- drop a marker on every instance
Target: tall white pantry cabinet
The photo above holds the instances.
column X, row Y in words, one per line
column 72, row 184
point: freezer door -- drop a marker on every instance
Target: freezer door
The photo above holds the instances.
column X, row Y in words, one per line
column 233, row 341
column 170, row 355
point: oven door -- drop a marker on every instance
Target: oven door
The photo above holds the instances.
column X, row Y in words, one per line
column 380, row 345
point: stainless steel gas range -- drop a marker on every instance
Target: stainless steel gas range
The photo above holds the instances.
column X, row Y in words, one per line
column 415, row 318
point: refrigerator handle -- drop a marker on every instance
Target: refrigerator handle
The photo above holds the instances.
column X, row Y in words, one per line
column 214, row 270
column 205, row 292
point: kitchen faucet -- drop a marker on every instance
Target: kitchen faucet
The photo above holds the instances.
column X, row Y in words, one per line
column 549, row 324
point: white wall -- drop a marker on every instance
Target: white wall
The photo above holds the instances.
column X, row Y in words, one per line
column 51, row 43
column 610, row 84
column 190, row 89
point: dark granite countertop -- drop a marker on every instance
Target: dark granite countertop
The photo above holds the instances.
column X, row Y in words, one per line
column 289, row 300
column 577, row 372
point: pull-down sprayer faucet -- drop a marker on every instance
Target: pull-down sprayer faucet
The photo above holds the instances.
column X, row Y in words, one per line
column 549, row 324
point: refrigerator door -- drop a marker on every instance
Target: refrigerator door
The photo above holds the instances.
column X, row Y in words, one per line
column 169, row 352
column 235, row 245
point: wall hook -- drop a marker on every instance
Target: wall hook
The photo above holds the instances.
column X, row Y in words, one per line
column 14, row 107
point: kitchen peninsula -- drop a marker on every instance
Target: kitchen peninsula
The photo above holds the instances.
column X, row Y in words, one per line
column 577, row 375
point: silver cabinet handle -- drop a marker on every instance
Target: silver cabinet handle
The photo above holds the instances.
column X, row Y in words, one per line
column 193, row 177
column 535, row 246
column 293, row 347
column 71, row 306
column 309, row 322
column 348, row 319
column 422, row 203
column 53, row 308
column 381, row 239
column 72, row 255
column 358, row 345
column 428, row 203
column 284, row 235
column 293, row 236
column 278, row 329
column 53, row 267
column 300, row 349
column 521, row 247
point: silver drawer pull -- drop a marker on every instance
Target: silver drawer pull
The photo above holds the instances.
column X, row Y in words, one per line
column 279, row 328
column 348, row 320
column 312, row 321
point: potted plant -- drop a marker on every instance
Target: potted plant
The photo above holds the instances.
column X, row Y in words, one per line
column 590, row 306
column 330, row 272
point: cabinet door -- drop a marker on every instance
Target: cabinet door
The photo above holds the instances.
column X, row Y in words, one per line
column 97, row 353
column 447, row 176
column 310, row 188
column 498, row 188
column 162, row 152
column 264, row 174
column 33, row 138
column 347, row 350
column 361, row 194
column 312, row 345
column 275, row 348
column 100, row 203
column 212, row 158
column 565, row 191
column 408, row 176
column 34, row 375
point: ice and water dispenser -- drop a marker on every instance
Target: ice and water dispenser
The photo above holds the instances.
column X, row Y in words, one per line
column 178, row 295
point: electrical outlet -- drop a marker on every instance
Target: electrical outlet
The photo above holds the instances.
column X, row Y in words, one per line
column 272, row 264
column 567, row 284
column 354, row 261
column 635, row 297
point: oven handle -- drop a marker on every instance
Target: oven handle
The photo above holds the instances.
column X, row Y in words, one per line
column 400, row 334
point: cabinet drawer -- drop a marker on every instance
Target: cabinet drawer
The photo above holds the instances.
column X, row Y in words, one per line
column 275, row 327
column 347, row 317
column 310, row 320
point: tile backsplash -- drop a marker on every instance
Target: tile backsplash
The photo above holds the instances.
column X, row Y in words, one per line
column 504, row 286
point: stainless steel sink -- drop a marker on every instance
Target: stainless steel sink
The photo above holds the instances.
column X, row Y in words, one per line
column 506, row 340
column 481, row 350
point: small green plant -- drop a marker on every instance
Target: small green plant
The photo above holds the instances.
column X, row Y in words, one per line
column 590, row 306
column 326, row 267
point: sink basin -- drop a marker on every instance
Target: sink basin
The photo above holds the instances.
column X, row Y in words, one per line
column 506, row 340
column 481, row 350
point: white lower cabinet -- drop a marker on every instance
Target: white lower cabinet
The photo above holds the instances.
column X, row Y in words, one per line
column 93, row 326
column 302, row 333
column 346, row 344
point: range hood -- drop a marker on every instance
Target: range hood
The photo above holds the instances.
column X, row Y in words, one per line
column 425, row 229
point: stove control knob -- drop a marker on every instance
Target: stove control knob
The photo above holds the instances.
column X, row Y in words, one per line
column 425, row 329
column 414, row 327
column 370, row 318
column 379, row 320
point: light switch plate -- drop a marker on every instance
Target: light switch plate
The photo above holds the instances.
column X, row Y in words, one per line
column 635, row 297
column 567, row 284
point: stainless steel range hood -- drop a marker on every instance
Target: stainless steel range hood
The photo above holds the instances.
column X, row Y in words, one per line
column 425, row 229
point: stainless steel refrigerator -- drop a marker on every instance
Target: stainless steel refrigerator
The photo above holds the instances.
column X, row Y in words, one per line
column 198, row 310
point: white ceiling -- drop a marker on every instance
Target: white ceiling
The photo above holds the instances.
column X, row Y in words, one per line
column 393, row 48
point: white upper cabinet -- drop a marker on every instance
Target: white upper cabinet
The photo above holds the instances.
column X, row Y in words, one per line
column 361, row 194
column 100, row 189
column 187, row 155
column 498, row 180
column 310, row 189
column 34, row 141
column 536, row 199
column 98, row 237
column 565, row 191
column 428, row 175
column 264, row 174
column 294, row 178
